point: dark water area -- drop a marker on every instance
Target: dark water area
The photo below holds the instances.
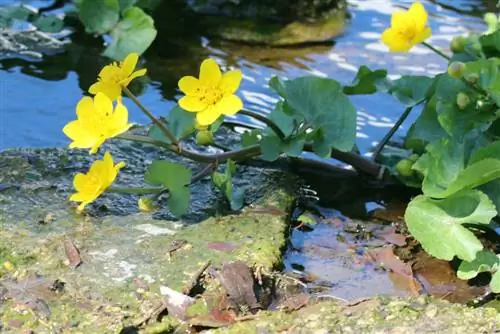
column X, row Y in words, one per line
column 38, row 96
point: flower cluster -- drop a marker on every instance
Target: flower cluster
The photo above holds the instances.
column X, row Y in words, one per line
column 104, row 116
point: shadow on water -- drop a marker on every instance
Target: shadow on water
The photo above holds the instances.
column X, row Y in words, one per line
column 56, row 81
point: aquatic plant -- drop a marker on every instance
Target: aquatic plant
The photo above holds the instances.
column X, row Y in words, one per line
column 451, row 152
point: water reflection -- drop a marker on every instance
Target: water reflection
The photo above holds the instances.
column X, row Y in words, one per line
column 38, row 97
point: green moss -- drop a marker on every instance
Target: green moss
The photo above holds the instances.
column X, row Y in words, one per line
column 273, row 33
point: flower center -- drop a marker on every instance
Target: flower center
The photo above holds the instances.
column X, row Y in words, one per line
column 407, row 31
column 210, row 95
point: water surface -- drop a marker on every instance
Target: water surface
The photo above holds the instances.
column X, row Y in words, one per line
column 38, row 97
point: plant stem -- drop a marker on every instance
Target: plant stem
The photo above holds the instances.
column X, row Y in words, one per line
column 135, row 190
column 236, row 155
column 153, row 119
column 264, row 120
column 439, row 52
column 392, row 131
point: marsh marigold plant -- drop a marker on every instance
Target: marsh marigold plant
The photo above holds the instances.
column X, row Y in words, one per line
column 408, row 28
column 100, row 176
column 115, row 76
column 96, row 122
column 212, row 94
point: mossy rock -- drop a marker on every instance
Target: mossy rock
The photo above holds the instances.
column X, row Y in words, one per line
column 126, row 255
column 268, row 32
column 379, row 315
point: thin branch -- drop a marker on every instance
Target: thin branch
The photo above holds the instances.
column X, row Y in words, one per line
column 153, row 119
column 392, row 131
column 437, row 51
column 239, row 154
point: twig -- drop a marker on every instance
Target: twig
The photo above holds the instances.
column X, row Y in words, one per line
column 439, row 52
column 236, row 155
column 392, row 131
column 153, row 119
column 195, row 280
column 154, row 313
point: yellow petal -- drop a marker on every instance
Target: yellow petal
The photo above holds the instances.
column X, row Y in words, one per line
column 400, row 18
column 128, row 65
column 84, row 106
column 112, row 90
column 188, row 85
column 231, row 81
column 97, row 144
column 120, row 115
column 192, row 103
column 79, row 181
column 207, row 116
column 103, row 104
column 229, row 105
column 426, row 33
column 138, row 73
column 394, row 41
column 80, row 136
column 210, row 72
column 81, row 206
column 419, row 15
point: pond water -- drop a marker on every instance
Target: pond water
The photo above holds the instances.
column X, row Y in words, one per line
column 38, row 96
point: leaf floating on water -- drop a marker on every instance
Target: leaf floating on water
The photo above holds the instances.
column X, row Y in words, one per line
column 72, row 253
column 385, row 257
column 389, row 234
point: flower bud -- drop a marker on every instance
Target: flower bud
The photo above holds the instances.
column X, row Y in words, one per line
column 403, row 168
column 492, row 21
column 414, row 157
column 463, row 100
column 204, row 137
column 456, row 69
column 472, row 78
column 458, row 44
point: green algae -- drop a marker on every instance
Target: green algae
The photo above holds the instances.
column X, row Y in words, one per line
column 276, row 34
column 411, row 315
column 126, row 255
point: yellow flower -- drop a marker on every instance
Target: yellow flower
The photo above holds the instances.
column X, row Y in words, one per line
column 89, row 186
column 117, row 75
column 96, row 122
column 407, row 29
column 212, row 95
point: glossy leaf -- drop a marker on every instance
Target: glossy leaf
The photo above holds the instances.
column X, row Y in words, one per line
column 176, row 179
column 366, row 81
column 99, row 16
column 410, row 90
column 322, row 105
column 485, row 261
column 180, row 123
column 495, row 282
column 272, row 146
column 426, row 128
column 438, row 224
column 250, row 138
column 134, row 33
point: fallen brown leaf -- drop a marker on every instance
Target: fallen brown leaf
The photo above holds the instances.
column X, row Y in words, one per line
column 72, row 253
